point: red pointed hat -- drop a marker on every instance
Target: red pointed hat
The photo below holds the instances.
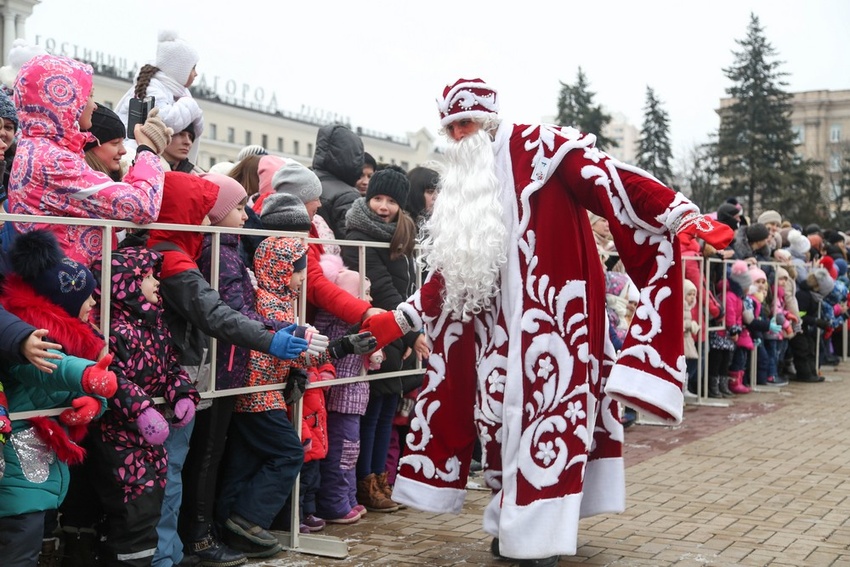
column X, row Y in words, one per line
column 467, row 98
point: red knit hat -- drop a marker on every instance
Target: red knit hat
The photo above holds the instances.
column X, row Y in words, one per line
column 467, row 98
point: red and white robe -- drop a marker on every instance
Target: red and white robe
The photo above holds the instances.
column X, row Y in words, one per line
column 536, row 377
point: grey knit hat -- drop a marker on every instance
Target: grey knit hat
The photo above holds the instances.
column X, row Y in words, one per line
column 282, row 211
column 7, row 108
column 825, row 282
column 295, row 179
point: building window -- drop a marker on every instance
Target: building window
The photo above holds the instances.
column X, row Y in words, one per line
column 309, row 150
column 212, row 161
column 835, row 133
column 295, row 147
column 108, row 104
column 247, row 137
column 212, row 131
column 799, row 134
column 405, row 165
column 834, row 163
column 280, row 145
column 231, row 135
column 264, row 141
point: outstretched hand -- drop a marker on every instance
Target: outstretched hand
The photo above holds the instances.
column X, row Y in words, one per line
column 37, row 351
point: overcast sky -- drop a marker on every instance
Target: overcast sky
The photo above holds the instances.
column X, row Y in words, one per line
column 382, row 63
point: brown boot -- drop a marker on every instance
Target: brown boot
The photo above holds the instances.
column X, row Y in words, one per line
column 387, row 490
column 371, row 496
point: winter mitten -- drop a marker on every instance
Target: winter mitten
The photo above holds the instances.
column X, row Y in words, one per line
column 286, row 346
column 5, row 421
column 361, row 343
column 152, row 426
column 780, row 318
column 316, row 342
column 155, row 133
column 837, row 310
column 98, row 380
column 326, row 372
column 715, row 233
column 387, row 327
column 822, row 324
column 184, row 411
column 296, row 385
column 775, row 327
column 82, row 411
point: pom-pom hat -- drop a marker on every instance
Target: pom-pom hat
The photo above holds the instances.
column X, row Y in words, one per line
column 37, row 258
column 175, row 57
column 740, row 274
column 467, row 98
column 798, row 243
column 823, row 280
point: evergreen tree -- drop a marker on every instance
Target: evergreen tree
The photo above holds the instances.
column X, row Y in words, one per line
column 576, row 109
column 699, row 178
column 654, row 154
column 755, row 146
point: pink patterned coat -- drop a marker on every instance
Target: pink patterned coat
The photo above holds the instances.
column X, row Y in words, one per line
column 50, row 176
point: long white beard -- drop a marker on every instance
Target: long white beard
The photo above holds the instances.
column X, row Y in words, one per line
column 466, row 237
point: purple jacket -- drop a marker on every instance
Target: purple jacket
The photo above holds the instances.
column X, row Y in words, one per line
column 235, row 289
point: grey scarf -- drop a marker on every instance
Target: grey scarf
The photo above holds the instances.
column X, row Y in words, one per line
column 361, row 218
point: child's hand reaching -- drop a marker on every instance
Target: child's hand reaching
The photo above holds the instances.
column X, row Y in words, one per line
column 100, row 381
column 35, row 350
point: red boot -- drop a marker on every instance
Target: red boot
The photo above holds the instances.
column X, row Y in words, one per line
column 736, row 384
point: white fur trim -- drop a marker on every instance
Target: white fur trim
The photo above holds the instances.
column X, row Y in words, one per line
column 471, row 114
column 428, row 498
column 411, row 312
column 604, row 490
column 627, row 384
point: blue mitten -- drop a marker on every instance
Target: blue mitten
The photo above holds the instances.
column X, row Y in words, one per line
column 285, row 345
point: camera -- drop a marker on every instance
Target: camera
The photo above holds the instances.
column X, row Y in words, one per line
column 138, row 113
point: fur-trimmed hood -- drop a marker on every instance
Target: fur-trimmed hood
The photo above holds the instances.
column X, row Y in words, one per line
column 77, row 338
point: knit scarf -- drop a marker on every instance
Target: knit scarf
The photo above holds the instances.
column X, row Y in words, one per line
column 360, row 217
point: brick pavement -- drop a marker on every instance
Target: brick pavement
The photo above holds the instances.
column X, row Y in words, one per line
column 765, row 481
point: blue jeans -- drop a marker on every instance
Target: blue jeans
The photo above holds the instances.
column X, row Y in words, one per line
column 376, row 427
column 263, row 458
column 169, row 548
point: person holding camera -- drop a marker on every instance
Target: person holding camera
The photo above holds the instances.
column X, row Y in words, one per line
column 53, row 95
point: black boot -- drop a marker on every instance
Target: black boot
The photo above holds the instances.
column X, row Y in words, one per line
column 723, row 384
column 546, row 562
column 713, row 387
column 81, row 548
column 213, row 553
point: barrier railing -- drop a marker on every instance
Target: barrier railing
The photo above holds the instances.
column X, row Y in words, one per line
column 321, row 545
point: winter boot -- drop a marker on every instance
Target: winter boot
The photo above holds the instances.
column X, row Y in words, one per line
column 723, row 384
column 214, row 553
column 736, row 384
column 81, row 548
column 714, row 387
column 385, row 487
column 49, row 555
column 372, row 496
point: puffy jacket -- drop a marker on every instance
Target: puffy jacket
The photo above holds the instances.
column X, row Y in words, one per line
column 50, row 177
column 338, row 163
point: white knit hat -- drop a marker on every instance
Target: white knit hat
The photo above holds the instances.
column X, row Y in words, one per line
column 175, row 57
column 798, row 243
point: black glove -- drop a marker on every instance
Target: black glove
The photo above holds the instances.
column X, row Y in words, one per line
column 361, row 343
column 296, row 385
column 822, row 324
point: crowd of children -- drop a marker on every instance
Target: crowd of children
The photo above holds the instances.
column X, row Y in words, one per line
column 143, row 468
column 772, row 308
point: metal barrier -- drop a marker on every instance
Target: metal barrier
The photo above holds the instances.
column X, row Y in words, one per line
column 321, row 545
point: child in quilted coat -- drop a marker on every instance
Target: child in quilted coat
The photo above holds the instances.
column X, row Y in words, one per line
column 53, row 95
column 50, row 291
column 130, row 471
